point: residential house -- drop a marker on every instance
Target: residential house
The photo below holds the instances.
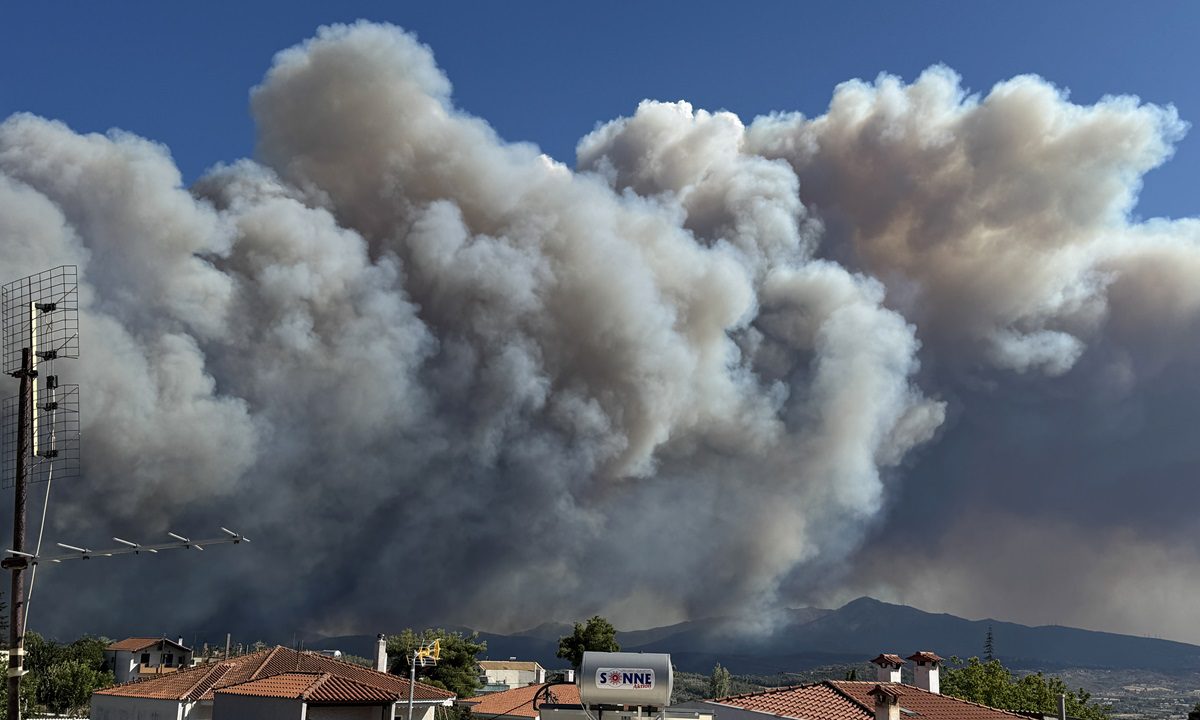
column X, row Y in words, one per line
column 517, row 704
column 191, row 694
column 305, row 696
column 884, row 698
column 139, row 657
column 500, row 675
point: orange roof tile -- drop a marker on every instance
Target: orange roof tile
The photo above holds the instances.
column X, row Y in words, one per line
column 885, row 694
column 314, row 688
column 518, row 702
column 852, row 700
column 807, row 702
column 888, row 659
column 930, row 706
column 925, row 656
column 134, row 644
column 199, row 683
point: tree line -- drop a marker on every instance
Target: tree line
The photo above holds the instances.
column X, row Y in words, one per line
column 61, row 676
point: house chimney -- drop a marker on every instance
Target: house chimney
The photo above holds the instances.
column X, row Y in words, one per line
column 925, row 675
column 381, row 659
column 887, row 703
column 888, row 668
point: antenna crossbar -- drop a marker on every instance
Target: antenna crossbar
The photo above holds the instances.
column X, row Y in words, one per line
column 127, row 547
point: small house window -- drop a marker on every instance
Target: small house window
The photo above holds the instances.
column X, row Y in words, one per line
column 168, row 659
column 145, row 658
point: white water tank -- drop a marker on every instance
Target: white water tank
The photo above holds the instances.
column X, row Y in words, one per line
column 621, row 678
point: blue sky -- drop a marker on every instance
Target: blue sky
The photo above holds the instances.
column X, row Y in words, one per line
column 546, row 72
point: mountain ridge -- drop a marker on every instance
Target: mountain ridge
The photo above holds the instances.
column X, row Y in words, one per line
column 803, row 638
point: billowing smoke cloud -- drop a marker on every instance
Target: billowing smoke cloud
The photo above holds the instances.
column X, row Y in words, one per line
column 439, row 376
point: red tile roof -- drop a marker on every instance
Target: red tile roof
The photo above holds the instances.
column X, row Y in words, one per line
column 134, row 644
column 819, row 701
column 518, row 702
column 888, row 659
column 931, row 706
column 852, row 700
column 199, row 683
column 925, row 656
column 313, row 688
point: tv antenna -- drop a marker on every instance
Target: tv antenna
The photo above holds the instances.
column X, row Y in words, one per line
column 425, row 656
column 40, row 439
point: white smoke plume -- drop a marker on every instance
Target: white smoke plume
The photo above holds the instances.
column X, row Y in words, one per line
column 433, row 373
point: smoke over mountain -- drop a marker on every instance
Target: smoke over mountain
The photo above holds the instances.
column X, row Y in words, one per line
column 439, row 376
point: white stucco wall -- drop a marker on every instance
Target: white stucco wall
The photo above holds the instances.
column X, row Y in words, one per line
column 125, row 664
column 511, row 678
column 111, row 707
column 420, row 712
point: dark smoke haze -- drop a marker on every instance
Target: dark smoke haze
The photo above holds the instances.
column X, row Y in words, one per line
column 916, row 347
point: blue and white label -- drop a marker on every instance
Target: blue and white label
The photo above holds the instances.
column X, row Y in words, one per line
column 625, row 678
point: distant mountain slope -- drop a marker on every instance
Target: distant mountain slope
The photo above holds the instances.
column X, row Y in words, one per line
column 857, row 631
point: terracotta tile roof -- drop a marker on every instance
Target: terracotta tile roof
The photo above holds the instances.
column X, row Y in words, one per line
column 341, row 691
column 818, row 701
column 176, row 686
column 314, row 662
column 199, row 683
column 313, row 688
column 884, row 694
column 283, row 685
column 925, row 656
column 134, row 644
column 518, row 702
column 852, row 700
column 509, row 665
column 929, row 706
column 888, row 659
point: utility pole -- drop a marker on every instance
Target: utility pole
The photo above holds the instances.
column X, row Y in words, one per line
column 16, row 619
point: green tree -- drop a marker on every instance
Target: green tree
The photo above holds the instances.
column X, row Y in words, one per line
column 28, row 695
column 456, row 669
column 67, row 687
column 63, row 677
column 989, row 647
column 597, row 634
column 990, row 683
column 718, row 682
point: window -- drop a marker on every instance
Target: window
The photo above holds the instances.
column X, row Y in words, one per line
column 145, row 658
column 168, row 659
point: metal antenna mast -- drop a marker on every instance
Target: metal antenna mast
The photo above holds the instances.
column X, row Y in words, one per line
column 41, row 324
column 40, row 441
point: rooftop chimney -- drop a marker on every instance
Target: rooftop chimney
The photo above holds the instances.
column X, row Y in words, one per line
column 888, row 668
column 887, row 703
column 381, row 659
column 925, row 675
